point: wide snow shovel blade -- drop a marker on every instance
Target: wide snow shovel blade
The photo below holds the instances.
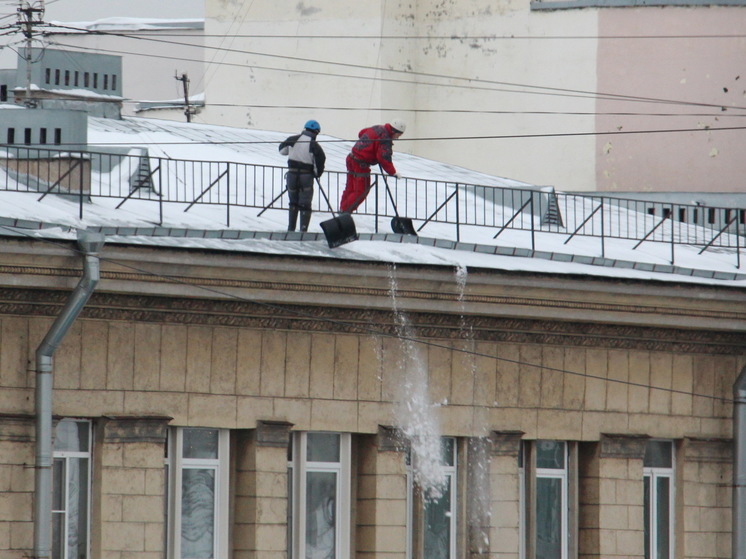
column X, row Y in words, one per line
column 339, row 230
column 403, row 225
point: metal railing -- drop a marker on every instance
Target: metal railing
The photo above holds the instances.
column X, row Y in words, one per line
column 133, row 175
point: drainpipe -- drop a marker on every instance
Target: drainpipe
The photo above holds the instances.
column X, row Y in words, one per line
column 90, row 243
column 739, row 466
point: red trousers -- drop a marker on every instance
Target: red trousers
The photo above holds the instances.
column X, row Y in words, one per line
column 358, row 185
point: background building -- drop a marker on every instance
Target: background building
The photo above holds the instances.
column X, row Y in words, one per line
column 543, row 92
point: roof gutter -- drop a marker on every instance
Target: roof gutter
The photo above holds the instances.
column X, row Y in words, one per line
column 739, row 466
column 90, row 244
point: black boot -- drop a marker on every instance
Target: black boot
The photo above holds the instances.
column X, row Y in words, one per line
column 293, row 218
column 305, row 219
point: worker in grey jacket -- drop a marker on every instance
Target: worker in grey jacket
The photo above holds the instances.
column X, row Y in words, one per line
column 306, row 161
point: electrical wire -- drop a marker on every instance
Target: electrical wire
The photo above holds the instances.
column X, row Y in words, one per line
column 442, row 138
column 542, row 89
column 367, row 329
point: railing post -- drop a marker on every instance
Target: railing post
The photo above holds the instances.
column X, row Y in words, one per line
column 160, row 194
column 228, row 194
column 603, row 227
column 533, row 224
column 375, row 184
column 738, row 242
column 81, row 174
column 673, row 244
column 458, row 217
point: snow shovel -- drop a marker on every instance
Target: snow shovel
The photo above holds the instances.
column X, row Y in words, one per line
column 340, row 229
column 402, row 225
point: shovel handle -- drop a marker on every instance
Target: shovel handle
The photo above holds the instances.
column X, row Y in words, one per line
column 388, row 190
column 325, row 196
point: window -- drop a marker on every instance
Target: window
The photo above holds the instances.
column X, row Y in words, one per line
column 658, row 491
column 47, row 75
column 42, row 135
column 106, row 81
column 67, row 77
column 27, row 136
column 76, row 76
column 11, row 136
column 319, row 496
column 57, row 77
column 86, row 79
column 432, row 519
column 197, row 502
column 546, row 499
column 57, row 136
column 95, row 81
column 71, row 474
column 3, row 92
column 113, row 81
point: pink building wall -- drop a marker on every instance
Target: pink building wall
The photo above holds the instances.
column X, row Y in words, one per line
column 694, row 55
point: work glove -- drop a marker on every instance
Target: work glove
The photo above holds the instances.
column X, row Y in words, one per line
column 398, row 176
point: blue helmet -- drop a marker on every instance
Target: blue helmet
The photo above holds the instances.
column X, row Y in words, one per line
column 313, row 126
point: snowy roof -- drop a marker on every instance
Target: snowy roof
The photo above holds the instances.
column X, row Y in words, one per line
column 203, row 226
column 127, row 24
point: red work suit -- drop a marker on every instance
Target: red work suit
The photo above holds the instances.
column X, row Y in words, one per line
column 374, row 147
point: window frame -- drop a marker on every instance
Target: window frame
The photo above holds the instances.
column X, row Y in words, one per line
column 298, row 468
column 416, row 518
column 66, row 456
column 175, row 464
column 650, row 506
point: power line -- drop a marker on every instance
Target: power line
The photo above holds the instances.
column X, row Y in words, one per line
column 361, row 328
column 146, row 33
column 449, row 138
column 542, row 89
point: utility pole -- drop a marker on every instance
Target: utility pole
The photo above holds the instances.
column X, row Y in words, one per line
column 27, row 11
column 188, row 111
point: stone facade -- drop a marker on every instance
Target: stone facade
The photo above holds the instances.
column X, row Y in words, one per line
column 266, row 347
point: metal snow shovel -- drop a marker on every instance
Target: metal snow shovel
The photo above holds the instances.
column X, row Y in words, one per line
column 340, row 229
column 401, row 225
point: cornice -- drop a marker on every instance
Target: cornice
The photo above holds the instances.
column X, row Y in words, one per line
column 367, row 321
column 210, row 287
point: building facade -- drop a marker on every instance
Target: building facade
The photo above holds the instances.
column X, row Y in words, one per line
column 234, row 405
column 581, row 95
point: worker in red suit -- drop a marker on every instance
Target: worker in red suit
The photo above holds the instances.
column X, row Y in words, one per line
column 374, row 147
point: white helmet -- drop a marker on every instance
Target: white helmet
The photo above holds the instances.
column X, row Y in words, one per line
column 399, row 125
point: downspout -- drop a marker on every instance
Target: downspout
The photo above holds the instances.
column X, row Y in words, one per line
column 739, row 467
column 89, row 243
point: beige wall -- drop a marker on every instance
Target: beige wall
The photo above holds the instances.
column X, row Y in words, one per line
column 147, row 354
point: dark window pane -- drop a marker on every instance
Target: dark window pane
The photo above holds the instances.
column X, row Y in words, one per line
column 71, row 436
column 662, row 525
column 658, row 454
column 647, row 512
column 548, row 518
column 438, row 526
column 77, row 518
column 550, row 454
column 321, row 503
column 323, row 447
column 200, row 443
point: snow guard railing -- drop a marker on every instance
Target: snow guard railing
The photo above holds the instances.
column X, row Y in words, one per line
column 133, row 175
